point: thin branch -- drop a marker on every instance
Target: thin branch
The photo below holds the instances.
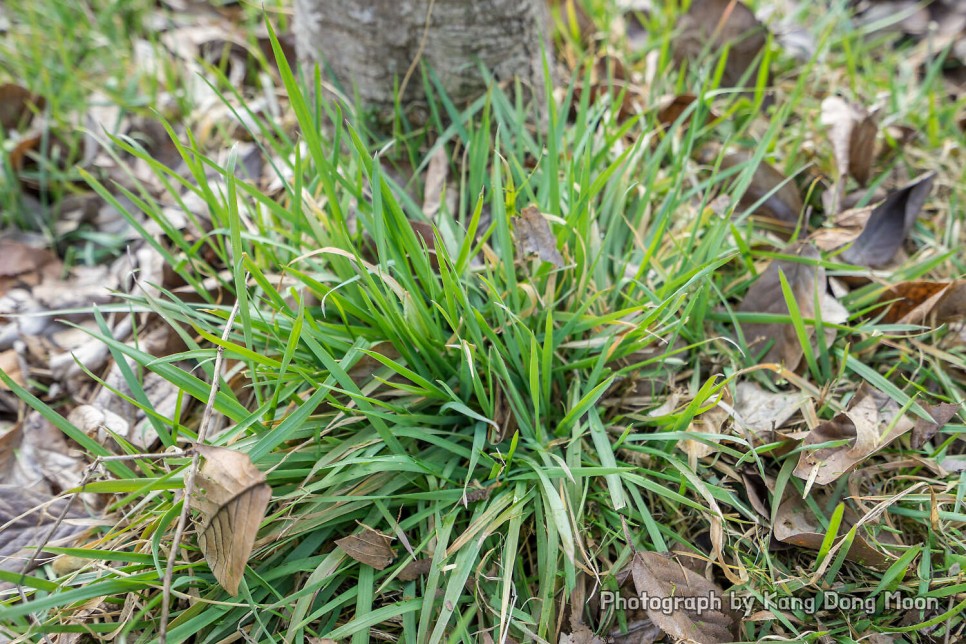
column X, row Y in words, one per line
column 189, row 484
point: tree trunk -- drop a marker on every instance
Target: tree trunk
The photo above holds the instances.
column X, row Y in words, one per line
column 373, row 47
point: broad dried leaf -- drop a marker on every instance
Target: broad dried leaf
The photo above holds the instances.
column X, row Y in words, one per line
column 796, row 524
column 415, row 569
column 710, row 422
column 924, row 430
column 671, row 107
column 581, row 635
column 370, row 548
column 920, row 301
column 888, row 225
column 783, row 204
column 533, row 236
column 28, row 516
column 852, row 131
column 17, row 258
column 807, row 282
column 762, row 412
column 863, row 424
column 437, row 173
column 663, row 577
column 10, row 365
column 15, row 105
column 717, row 23
column 232, row 503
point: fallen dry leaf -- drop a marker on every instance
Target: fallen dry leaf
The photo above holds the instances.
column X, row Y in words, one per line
column 783, row 202
column 762, row 412
column 920, row 301
column 710, row 422
column 852, row 131
column 864, row 423
column 415, row 569
column 10, row 365
column 671, row 107
column 808, row 284
column 661, row 578
column 28, row 517
column 533, row 236
column 888, row 225
column 924, row 430
column 232, row 500
column 715, row 24
column 17, row 258
column 17, row 105
column 370, row 548
column 796, row 524
column 581, row 635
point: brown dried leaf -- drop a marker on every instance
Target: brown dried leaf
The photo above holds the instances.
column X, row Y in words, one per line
column 807, row 282
column 796, row 524
column 662, row 576
column 720, row 23
column 784, row 203
column 415, row 569
column 17, row 258
column 15, row 105
column 852, row 131
column 10, row 365
column 919, row 301
column 888, row 225
column 232, row 503
column 671, row 107
column 864, row 423
column 924, row 430
column 370, row 548
column 534, row 237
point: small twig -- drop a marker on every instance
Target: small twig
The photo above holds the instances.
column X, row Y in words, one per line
column 189, row 483
column 419, row 51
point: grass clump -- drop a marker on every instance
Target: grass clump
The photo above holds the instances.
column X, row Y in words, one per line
column 488, row 411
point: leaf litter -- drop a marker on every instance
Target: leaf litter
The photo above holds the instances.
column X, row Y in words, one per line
column 231, row 502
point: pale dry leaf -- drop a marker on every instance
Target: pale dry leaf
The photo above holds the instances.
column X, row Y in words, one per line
column 869, row 423
column 710, row 422
column 98, row 423
column 369, row 547
column 796, row 524
column 581, row 635
column 533, row 236
column 662, row 578
column 889, row 224
column 852, row 131
column 437, row 172
column 232, row 500
column 762, row 412
column 29, row 516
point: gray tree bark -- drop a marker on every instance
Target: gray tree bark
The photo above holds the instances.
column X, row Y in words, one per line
column 372, row 47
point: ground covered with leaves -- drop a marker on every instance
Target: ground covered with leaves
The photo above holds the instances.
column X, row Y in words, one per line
column 696, row 337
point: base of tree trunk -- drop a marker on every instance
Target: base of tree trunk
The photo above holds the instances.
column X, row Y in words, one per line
column 369, row 49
